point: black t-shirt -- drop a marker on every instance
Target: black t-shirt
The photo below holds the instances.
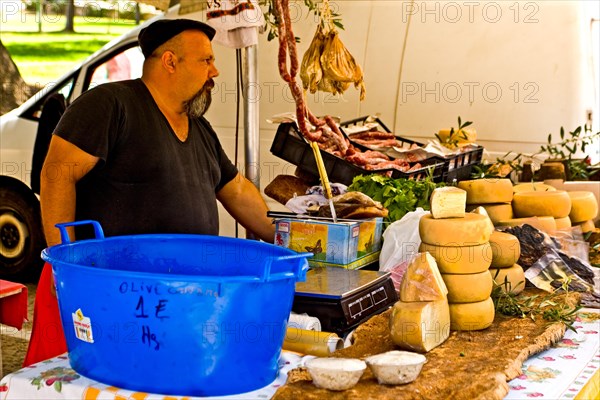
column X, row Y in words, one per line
column 147, row 180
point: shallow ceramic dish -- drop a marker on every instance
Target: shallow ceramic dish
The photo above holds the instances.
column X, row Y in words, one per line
column 335, row 373
column 396, row 367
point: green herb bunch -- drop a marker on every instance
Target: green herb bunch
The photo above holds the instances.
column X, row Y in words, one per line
column 452, row 141
column 550, row 307
column 570, row 145
column 399, row 196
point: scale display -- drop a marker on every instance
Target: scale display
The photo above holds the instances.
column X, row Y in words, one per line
column 342, row 299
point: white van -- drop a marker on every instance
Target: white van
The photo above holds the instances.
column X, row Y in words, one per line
column 518, row 69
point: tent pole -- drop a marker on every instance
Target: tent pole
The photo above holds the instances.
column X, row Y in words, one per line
column 251, row 117
column 251, row 114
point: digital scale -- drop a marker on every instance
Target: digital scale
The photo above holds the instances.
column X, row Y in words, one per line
column 342, row 299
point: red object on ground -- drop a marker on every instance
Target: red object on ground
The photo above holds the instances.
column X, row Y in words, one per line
column 47, row 336
column 13, row 304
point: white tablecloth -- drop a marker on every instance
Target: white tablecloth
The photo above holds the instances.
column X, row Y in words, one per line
column 568, row 370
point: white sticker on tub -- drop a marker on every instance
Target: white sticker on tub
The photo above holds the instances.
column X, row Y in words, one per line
column 83, row 326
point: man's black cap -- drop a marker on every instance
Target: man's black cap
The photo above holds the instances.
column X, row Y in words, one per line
column 162, row 30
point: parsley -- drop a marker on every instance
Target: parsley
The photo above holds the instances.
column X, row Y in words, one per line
column 399, row 196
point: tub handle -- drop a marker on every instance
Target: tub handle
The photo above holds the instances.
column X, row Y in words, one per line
column 64, row 235
column 300, row 269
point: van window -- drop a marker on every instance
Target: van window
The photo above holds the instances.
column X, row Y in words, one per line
column 121, row 66
column 64, row 88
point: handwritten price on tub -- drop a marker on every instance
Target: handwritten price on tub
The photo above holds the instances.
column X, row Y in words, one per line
column 159, row 313
column 153, row 304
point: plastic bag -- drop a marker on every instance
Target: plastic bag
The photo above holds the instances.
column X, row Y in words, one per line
column 401, row 241
column 552, row 270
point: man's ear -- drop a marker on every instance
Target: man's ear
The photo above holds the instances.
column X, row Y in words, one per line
column 169, row 61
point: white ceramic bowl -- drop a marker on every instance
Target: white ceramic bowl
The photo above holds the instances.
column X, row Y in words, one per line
column 396, row 367
column 335, row 373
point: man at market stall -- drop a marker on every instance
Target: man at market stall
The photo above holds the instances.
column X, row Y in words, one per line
column 139, row 157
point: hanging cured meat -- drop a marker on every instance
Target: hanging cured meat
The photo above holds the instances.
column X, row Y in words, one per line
column 326, row 130
column 327, row 65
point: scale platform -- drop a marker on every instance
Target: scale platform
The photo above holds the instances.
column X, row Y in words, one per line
column 342, row 299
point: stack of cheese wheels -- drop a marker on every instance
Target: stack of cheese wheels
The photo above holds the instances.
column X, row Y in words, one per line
column 495, row 195
column 504, row 269
column 420, row 320
column 584, row 209
column 550, row 208
column 459, row 242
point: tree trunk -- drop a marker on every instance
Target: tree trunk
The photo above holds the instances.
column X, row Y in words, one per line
column 13, row 89
column 70, row 14
column 138, row 13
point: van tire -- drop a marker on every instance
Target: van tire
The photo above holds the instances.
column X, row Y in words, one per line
column 21, row 236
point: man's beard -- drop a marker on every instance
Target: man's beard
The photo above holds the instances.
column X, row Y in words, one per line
column 198, row 105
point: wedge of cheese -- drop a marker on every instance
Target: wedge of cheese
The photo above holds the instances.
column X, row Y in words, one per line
column 448, row 202
column 486, row 191
column 471, row 230
column 583, row 206
column 468, row 288
column 422, row 280
column 506, row 249
column 460, row 259
column 420, row 326
column 472, row 316
column 556, row 204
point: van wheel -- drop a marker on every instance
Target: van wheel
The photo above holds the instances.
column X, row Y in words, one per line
column 21, row 236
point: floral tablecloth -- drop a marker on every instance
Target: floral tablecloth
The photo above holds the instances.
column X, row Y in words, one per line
column 568, row 370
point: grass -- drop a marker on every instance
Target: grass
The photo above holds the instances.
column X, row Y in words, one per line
column 44, row 57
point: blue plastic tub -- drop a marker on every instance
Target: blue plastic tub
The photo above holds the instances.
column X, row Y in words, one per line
column 186, row 315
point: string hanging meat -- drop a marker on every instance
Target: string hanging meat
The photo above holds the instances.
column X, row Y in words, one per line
column 287, row 46
column 326, row 132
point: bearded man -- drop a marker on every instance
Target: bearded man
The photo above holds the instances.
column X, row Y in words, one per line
column 139, row 157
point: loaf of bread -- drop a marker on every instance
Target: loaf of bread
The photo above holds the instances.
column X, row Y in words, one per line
column 285, row 187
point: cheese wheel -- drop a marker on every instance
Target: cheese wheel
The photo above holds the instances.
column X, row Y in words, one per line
column 506, row 249
column 586, row 226
column 510, row 279
column 533, row 187
column 584, row 206
column 472, row 316
column 422, row 280
column 420, row 326
column 497, row 212
column 471, row 230
column 556, row 204
column 468, row 288
column 544, row 224
column 484, row 191
column 448, row 202
column 563, row 223
column 460, row 259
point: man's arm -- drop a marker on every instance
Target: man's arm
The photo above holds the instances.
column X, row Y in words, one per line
column 243, row 201
column 64, row 166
